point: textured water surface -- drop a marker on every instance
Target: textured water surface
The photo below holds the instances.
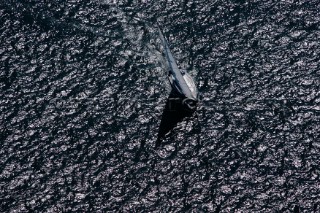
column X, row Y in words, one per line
column 83, row 90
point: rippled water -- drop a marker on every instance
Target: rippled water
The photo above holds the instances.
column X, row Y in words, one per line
column 84, row 89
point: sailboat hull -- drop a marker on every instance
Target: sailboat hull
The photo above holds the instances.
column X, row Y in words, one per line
column 181, row 82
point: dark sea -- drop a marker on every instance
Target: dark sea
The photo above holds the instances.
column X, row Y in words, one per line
column 86, row 122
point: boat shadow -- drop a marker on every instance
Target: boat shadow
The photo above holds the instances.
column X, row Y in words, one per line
column 173, row 113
